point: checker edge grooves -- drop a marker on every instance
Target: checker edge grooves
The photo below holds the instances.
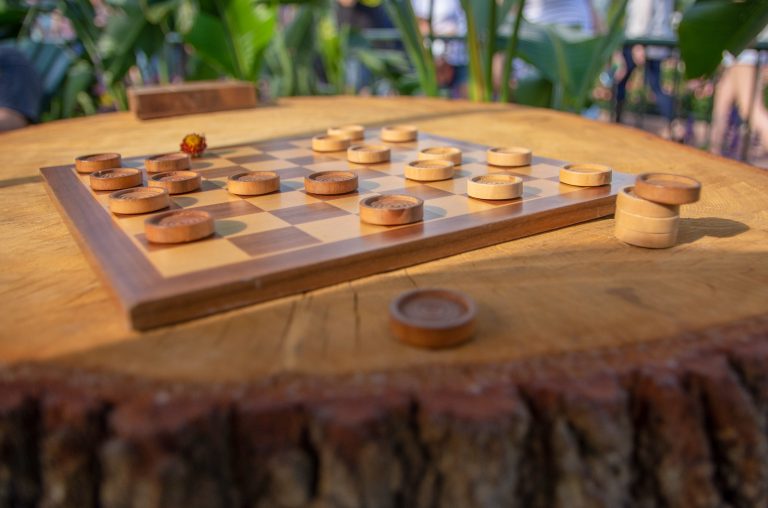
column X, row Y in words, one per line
column 150, row 300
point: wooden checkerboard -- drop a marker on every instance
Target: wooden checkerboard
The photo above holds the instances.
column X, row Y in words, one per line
column 290, row 241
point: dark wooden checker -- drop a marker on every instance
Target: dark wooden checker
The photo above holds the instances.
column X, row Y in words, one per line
column 287, row 242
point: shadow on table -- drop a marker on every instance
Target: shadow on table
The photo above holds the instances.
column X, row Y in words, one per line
column 694, row 229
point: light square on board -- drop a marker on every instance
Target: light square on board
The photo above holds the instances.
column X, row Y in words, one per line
column 251, row 158
column 452, row 185
column 249, row 224
column 541, row 170
column 339, row 228
column 292, row 153
column 452, row 206
column 475, row 156
column 274, row 145
column 381, row 184
column 384, row 167
column 419, row 190
column 270, row 165
column 471, row 169
column 194, row 256
column 545, row 187
column 232, row 151
column 351, row 203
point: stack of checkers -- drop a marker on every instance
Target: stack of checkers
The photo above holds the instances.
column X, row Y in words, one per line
column 648, row 214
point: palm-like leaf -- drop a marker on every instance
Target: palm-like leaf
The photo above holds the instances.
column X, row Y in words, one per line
column 401, row 13
column 710, row 27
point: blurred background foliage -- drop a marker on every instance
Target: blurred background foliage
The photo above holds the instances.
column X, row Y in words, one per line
column 300, row 48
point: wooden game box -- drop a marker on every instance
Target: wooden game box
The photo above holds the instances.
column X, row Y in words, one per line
column 161, row 101
column 287, row 242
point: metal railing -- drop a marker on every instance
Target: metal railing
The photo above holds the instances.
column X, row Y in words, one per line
column 383, row 35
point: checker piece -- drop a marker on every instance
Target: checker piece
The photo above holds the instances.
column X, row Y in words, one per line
column 399, row 133
column 328, row 143
column 353, row 132
column 97, row 161
column 330, row 182
column 368, row 154
column 432, row 318
column 448, row 153
column 176, row 182
column 495, row 187
column 115, row 179
column 179, row 226
column 429, row 171
column 391, row 209
column 585, row 175
column 141, row 200
column 253, row 183
column 667, row 189
column 177, row 161
column 509, row 156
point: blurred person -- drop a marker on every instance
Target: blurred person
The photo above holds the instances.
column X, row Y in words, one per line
column 451, row 58
column 647, row 19
column 737, row 87
column 361, row 15
column 21, row 91
column 578, row 14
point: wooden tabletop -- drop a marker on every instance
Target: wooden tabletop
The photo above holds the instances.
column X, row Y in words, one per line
column 577, row 289
column 593, row 361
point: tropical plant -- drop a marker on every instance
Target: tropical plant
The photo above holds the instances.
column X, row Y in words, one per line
column 231, row 36
column 484, row 19
column 571, row 60
column 710, row 27
column 419, row 52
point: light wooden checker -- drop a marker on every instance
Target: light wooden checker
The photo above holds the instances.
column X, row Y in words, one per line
column 269, row 246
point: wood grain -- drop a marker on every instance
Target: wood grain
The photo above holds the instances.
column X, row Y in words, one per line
column 159, row 101
column 655, row 402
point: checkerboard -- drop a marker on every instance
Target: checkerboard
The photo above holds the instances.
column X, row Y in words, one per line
column 290, row 241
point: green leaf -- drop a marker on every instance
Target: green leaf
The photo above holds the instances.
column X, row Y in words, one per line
column 159, row 12
column 208, row 37
column 249, row 28
column 570, row 59
column 401, row 13
column 79, row 79
column 534, row 91
column 710, row 27
column 123, row 28
column 186, row 15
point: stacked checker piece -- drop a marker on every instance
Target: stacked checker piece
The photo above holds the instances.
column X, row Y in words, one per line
column 430, row 318
column 648, row 214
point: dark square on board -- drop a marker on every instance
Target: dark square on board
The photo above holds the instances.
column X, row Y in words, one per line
column 308, row 213
column 276, row 240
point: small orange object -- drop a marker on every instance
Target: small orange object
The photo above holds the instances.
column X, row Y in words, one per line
column 194, row 144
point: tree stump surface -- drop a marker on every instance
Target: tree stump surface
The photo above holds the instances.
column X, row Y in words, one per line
column 601, row 374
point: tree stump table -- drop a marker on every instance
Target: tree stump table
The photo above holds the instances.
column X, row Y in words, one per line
column 601, row 374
